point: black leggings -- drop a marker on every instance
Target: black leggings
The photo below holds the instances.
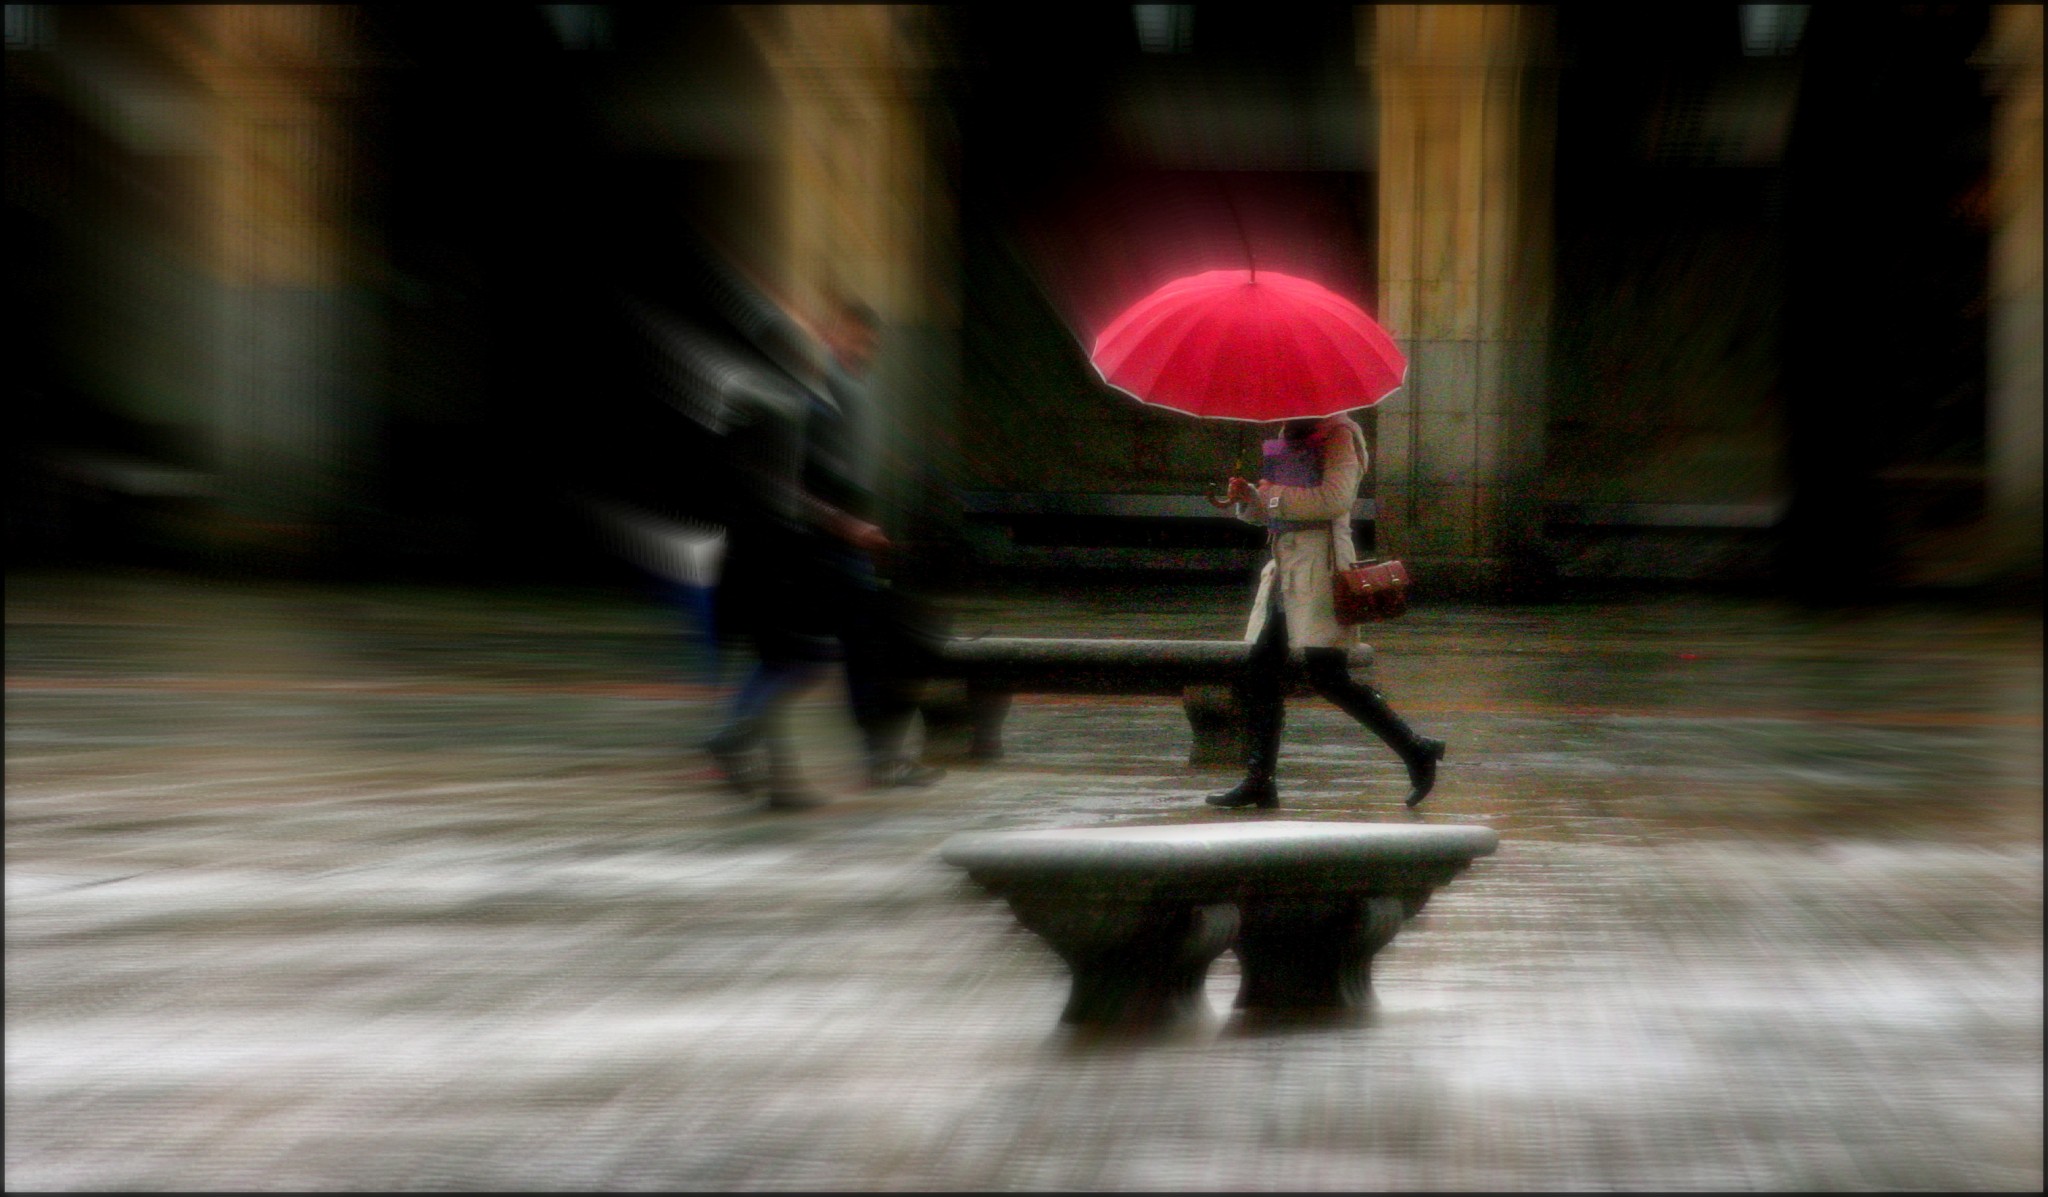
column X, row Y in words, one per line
column 1263, row 693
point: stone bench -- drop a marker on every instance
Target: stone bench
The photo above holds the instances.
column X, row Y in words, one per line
column 992, row 669
column 1139, row 912
column 1066, row 532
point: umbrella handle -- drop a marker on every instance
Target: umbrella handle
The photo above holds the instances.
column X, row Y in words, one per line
column 1222, row 502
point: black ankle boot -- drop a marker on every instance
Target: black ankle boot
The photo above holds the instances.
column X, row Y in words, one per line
column 1252, row 791
column 1369, row 707
column 1265, row 712
column 1422, row 768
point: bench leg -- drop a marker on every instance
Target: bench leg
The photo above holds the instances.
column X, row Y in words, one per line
column 987, row 709
column 962, row 721
column 1134, row 964
column 948, row 726
column 1302, row 956
column 1216, row 719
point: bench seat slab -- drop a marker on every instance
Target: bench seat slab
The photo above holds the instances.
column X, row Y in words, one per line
column 992, row 668
column 1139, row 912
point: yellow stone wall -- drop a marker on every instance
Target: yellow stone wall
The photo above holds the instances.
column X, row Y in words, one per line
column 279, row 247
column 863, row 213
column 1465, row 155
column 274, row 85
column 854, row 162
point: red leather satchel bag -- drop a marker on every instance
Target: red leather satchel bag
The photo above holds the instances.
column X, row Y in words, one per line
column 1370, row 590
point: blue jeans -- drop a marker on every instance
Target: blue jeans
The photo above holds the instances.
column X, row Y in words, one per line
column 749, row 720
column 699, row 619
column 785, row 665
column 854, row 596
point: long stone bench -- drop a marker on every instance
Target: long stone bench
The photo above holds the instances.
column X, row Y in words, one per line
column 992, row 669
column 1121, row 532
column 1139, row 912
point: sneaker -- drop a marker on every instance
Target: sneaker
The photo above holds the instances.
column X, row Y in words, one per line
column 793, row 799
column 902, row 773
column 737, row 771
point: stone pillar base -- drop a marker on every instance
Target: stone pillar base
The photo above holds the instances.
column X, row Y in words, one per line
column 1134, row 964
column 1313, row 955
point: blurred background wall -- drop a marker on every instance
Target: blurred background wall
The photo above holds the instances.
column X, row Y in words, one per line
column 1707, row 294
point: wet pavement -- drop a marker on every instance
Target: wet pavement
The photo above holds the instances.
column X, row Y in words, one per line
column 331, row 887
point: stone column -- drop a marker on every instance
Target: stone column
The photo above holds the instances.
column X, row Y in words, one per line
column 1467, row 115
column 2013, row 434
column 287, row 365
column 866, row 213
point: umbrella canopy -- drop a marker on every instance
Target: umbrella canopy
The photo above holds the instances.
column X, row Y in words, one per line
column 1249, row 345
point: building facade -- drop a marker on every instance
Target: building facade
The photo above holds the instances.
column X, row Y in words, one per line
column 1720, row 293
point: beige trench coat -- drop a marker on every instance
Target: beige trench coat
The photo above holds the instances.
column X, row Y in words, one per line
column 1300, row 566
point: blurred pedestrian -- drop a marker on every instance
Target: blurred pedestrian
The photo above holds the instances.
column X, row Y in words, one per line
column 870, row 618
column 785, row 550
column 1304, row 500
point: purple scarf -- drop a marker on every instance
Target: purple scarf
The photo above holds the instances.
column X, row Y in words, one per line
column 1294, row 463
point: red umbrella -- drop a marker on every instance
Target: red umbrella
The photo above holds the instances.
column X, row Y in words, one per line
column 1249, row 345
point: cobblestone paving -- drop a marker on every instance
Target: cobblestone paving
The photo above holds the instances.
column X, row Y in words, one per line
column 384, row 888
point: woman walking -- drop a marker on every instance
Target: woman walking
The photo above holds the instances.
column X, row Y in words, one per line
column 1304, row 500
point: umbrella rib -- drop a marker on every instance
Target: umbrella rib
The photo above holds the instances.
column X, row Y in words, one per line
column 1153, row 332
column 1151, row 307
column 1187, row 343
column 1130, row 330
column 1335, row 304
column 1361, row 324
column 1344, row 377
column 1159, row 340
